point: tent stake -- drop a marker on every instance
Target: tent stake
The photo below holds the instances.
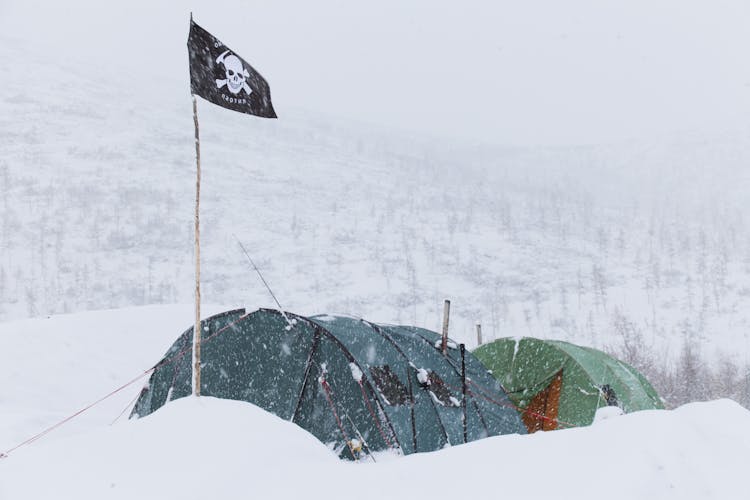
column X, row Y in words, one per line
column 197, row 328
column 446, row 318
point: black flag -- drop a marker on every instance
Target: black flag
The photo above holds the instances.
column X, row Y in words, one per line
column 222, row 77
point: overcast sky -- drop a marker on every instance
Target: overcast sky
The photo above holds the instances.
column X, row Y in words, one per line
column 506, row 72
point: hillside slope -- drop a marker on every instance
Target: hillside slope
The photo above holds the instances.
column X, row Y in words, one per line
column 639, row 246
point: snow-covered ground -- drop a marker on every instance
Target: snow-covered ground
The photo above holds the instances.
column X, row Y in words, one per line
column 210, row 448
column 52, row 367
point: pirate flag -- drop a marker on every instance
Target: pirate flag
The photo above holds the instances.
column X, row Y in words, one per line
column 220, row 76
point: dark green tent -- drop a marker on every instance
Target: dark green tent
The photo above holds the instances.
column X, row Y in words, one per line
column 559, row 384
column 344, row 380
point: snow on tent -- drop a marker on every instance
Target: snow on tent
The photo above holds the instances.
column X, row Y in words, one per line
column 558, row 384
column 348, row 382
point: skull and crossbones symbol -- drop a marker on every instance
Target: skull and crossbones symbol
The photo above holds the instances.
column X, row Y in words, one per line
column 235, row 72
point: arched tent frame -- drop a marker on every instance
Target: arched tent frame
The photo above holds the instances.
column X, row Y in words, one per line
column 527, row 367
column 341, row 379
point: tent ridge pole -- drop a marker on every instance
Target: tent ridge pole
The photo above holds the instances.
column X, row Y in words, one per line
column 308, row 367
column 463, row 391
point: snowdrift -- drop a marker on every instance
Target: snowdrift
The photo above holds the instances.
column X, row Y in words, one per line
column 242, row 450
column 51, row 367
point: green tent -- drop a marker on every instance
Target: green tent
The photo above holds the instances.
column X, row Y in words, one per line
column 558, row 384
column 346, row 381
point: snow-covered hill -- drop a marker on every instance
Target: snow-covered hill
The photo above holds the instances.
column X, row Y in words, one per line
column 642, row 247
column 51, row 367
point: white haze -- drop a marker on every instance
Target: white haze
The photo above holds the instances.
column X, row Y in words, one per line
column 503, row 72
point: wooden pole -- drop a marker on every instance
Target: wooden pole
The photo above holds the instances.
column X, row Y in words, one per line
column 446, row 318
column 197, row 330
column 479, row 333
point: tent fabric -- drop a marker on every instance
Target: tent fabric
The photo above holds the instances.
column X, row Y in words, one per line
column 342, row 379
column 533, row 370
column 542, row 409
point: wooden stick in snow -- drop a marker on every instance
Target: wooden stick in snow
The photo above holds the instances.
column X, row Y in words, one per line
column 446, row 318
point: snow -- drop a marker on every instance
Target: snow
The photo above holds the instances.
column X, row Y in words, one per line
column 450, row 344
column 435, row 399
column 517, row 341
column 423, row 376
column 51, row 367
column 241, row 450
column 356, row 372
column 607, row 412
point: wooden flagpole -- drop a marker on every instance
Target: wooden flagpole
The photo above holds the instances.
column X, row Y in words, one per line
column 197, row 328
